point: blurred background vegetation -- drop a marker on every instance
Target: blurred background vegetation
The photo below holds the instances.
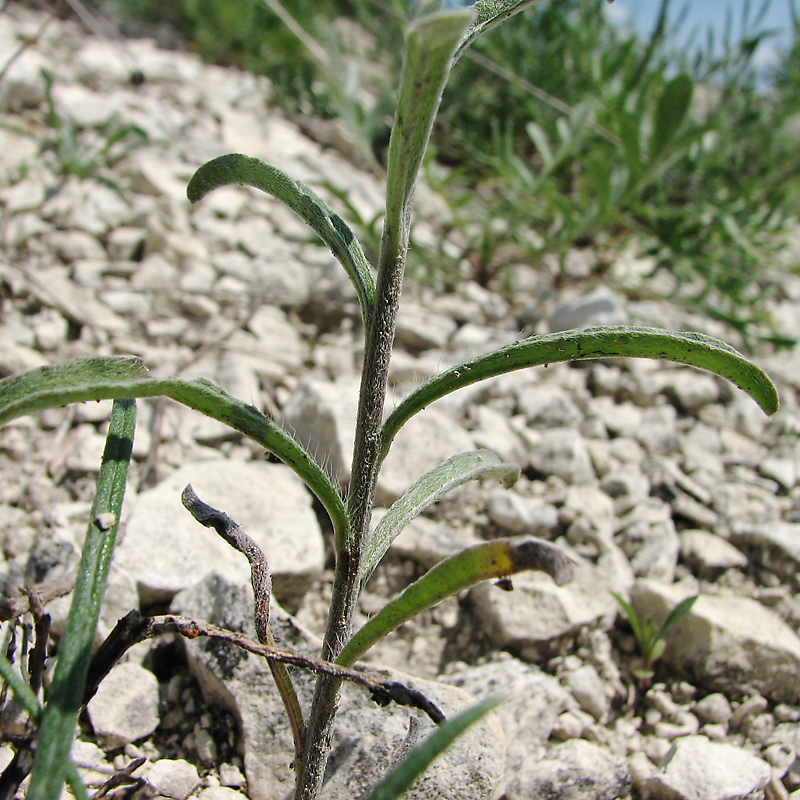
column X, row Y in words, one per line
column 560, row 133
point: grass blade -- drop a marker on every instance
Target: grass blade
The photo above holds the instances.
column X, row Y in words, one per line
column 694, row 349
column 496, row 559
column 400, row 778
column 235, row 168
column 475, row 465
column 117, row 377
column 673, row 105
column 66, row 692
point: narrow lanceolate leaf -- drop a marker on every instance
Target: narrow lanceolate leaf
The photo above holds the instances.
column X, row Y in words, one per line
column 117, row 377
column 331, row 228
column 496, row 559
column 403, row 774
column 693, row 349
column 475, row 465
column 430, row 42
column 672, row 108
column 488, row 14
column 64, row 699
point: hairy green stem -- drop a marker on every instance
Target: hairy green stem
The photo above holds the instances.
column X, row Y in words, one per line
column 372, row 396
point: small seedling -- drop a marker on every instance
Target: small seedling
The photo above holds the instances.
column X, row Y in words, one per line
column 652, row 642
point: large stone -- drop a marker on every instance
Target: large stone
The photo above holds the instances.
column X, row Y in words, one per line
column 125, row 707
column 698, row 769
column 730, row 644
column 575, row 770
column 532, row 703
column 538, row 611
column 166, row 550
column 776, row 545
column 367, row 739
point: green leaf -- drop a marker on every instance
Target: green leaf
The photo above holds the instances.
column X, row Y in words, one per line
column 65, row 697
column 656, row 649
column 403, row 774
column 21, row 690
column 475, row 465
column 670, row 113
column 331, row 228
column 680, row 610
column 694, row 349
column 117, row 377
column 496, row 559
column 488, row 14
column 633, row 618
column 430, row 42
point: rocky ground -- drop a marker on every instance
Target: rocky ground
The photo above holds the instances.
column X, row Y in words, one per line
column 660, row 481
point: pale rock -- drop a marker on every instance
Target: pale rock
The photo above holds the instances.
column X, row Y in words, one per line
column 517, row 514
column 709, row 552
column 98, row 66
column 231, row 775
column 127, row 302
column 783, row 469
column 283, row 279
column 589, row 513
column 714, row 708
column 276, row 353
column 601, row 306
column 648, row 537
column 777, row 544
column 472, row 338
column 266, row 500
column 745, row 504
column 51, row 329
column 428, row 541
column 75, row 245
column 538, row 611
column 83, row 107
column 425, row 441
column 366, row 739
column 322, row 417
column 698, row 769
column 422, row 329
column 91, row 762
column 220, row 793
column 626, row 488
column 620, row 419
column 172, row 777
column 124, row 242
column 125, row 707
column 658, row 431
column 725, row 643
column 16, row 358
column 690, row 389
column 407, row 372
column 23, row 85
column 78, row 304
column 548, row 406
column 494, row 432
column 752, row 706
column 561, row 452
column 574, row 770
column 572, row 724
column 533, row 703
column 276, row 332
column 154, row 175
column 24, row 195
column 588, row 689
